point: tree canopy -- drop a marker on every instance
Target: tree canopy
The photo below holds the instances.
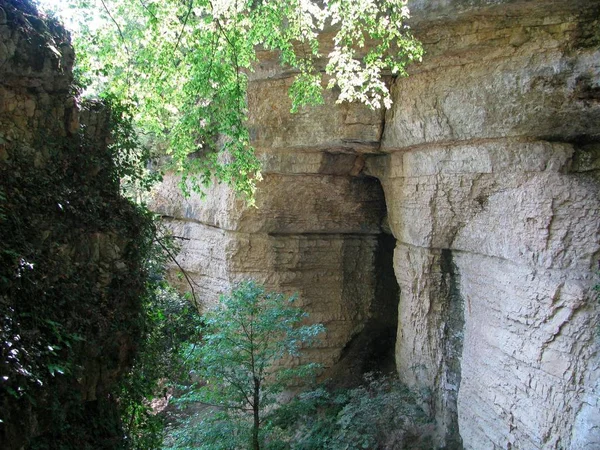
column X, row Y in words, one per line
column 182, row 66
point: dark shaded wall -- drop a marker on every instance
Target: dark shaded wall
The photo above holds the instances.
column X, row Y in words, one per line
column 71, row 249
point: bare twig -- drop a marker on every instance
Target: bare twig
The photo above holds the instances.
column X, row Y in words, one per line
column 239, row 408
column 185, row 21
column 147, row 9
column 121, row 35
column 188, row 279
column 117, row 25
column 174, row 237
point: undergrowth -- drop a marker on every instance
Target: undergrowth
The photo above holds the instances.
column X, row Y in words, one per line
column 380, row 414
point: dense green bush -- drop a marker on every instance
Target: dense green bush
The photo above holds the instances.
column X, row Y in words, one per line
column 61, row 304
column 380, row 414
column 171, row 320
column 79, row 288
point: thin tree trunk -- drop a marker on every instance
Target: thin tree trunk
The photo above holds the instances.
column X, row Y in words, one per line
column 256, row 409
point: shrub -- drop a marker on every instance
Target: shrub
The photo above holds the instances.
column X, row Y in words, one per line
column 382, row 413
column 238, row 368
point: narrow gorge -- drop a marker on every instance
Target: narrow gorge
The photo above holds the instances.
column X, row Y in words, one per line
column 455, row 236
column 453, row 240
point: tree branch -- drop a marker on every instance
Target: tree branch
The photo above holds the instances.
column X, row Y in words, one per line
column 188, row 279
column 118, row 27
column 147, row 9
column 122, row 38
column 239, row 408
column 185, row 21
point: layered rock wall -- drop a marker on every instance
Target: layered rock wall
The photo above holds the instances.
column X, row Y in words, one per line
column 314, row 235
column 489, row 163
column 486, row 142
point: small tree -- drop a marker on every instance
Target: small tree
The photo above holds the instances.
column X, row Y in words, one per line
column 239, row 362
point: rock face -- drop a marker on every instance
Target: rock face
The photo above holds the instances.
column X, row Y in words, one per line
column 316, row 235
column 486, row 173
column 71, row 249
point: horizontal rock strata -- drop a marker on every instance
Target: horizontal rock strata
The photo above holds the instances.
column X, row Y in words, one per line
column 488, row 161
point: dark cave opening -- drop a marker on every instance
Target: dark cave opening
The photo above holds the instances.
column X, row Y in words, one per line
column 372, row 350
column 383, row 324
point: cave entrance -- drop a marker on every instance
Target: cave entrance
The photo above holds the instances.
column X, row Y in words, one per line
column 383, row 325
column 373, row 348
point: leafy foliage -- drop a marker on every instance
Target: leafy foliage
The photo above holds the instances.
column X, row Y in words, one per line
column 130, row 156
column 183, row 66
column 238, row 366
column 170, row 321
column 382, row 413
column 63, row 311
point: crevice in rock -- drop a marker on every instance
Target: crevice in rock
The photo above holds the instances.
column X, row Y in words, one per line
column 453, row 336
column 373, row 348
column 384, row 309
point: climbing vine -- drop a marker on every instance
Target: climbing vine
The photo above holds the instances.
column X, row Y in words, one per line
column 73, row 279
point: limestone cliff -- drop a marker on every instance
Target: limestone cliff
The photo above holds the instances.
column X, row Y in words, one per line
column 483, row 180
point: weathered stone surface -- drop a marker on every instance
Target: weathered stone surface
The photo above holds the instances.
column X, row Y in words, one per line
column 533, row 220
column 470, row 172
column 530, row 361
column 507, row 199
column 519, row 69
column 430, row 328
column 489, row 164
column 36, row 61
column 327, row 127
column 284, row 204
column 302, row 238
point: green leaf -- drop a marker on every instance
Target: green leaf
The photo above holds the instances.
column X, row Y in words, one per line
column 182, row 69
column 56, row 369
